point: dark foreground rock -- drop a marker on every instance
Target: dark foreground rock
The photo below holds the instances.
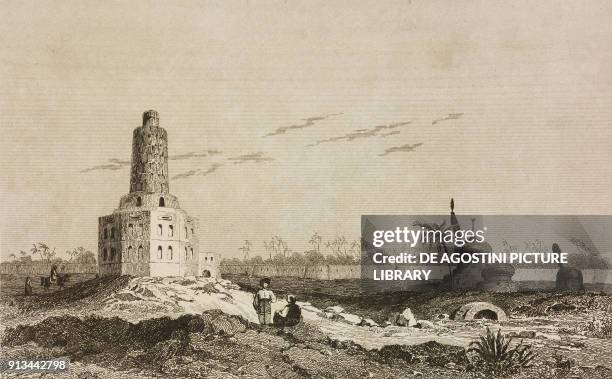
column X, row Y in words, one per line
column 217, row 345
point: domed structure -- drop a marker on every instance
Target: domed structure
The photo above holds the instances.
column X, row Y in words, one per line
column 568, row 278
column 149, row 234
column 498, row 278
column 469, row 276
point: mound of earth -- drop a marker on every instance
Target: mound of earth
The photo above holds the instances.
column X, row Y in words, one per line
column 212, row 344
column 92, row 291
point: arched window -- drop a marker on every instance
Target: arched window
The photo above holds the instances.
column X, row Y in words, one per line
column 185, row 232
column 138, row 201
column 129, row 253
column 105, row 233
column 192, row 253
column 112, row 255
column 140, row 229
column 160, row 229
column 159, row 252
column 170, row 252
column 192, row 232
column 113, row 232
column 162, row 202
column 140, row 253
column 131, row 229
column 185, row 253
column 171, row 230
column 104, row 254
column 211, row 259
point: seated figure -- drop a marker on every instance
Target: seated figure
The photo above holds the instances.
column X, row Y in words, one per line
column 291, row 315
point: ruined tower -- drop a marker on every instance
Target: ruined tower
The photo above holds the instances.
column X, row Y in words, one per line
column 149, row 234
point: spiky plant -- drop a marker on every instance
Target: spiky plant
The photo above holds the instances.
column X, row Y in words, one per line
column 495, row 356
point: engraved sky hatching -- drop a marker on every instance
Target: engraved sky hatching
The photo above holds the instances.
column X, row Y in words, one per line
column 279, row 113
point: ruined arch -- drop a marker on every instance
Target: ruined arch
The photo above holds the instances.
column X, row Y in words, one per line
column 206, row 274
column 480, row 309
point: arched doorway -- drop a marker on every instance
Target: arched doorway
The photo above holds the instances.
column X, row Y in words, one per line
column 162, row 202
column 206, row 274
column 486, row 314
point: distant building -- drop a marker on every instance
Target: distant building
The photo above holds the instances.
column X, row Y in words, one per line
column 149, row 234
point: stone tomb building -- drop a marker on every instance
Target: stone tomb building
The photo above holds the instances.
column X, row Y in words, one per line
column 149, row 234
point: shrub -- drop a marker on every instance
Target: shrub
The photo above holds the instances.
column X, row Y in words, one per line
column 494, row 356
column 600, row 328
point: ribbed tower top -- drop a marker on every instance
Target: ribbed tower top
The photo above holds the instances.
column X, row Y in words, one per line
column 150, row 117
column 149, row 156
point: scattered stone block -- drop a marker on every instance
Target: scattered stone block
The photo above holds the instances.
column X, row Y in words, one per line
column 523, row 334
column 562, row 307
column 334, row 309
column 406, row 318
column 350, row 318
column 546, row 336
column 425, row 324
column 367, row 322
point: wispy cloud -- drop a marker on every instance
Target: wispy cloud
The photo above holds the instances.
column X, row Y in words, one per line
column 187, row 174
column 376, row 131
column 194, row 154
column 119, row 161
column 184, row 175
column 116, row 164
column 404, row 149
column 108, row 167
column 390, row 133
column 211, row 169
column 252, row 157
column 308, row 122
column 450, row 116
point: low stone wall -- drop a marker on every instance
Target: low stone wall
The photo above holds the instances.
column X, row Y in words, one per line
column 544, row 277
column 44, row 268
column 322, row 272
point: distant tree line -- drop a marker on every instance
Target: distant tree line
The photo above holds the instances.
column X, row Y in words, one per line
column 338, row 250
column 46, row 253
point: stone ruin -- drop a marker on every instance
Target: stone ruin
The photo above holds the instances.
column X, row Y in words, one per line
column 568, row 278
column 480, row 310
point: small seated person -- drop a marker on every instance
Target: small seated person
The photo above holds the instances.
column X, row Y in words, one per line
column 291, row 315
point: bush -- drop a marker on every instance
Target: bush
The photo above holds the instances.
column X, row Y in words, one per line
column 494, row 356
column 600, row 328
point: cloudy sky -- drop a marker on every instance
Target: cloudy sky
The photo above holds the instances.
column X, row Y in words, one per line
column 287, row 117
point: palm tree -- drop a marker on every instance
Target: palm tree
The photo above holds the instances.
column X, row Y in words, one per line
column 246, row 248
column 315, row 241
column 45, row 251
column 268, row 247
column 34, row 250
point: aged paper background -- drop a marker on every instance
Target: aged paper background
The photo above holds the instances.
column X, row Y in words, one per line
column 286, row 117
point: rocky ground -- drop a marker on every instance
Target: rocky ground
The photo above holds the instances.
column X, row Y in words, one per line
column 188, row 327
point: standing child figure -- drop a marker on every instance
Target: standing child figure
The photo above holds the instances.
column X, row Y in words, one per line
column 28, row 286
column 263, row 302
